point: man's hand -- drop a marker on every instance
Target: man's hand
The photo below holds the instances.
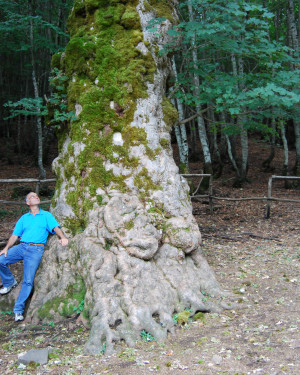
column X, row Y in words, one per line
column 4, row 251
column 64, row 241
column 12, row 239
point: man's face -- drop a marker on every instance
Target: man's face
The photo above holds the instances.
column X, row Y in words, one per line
column 32, row 199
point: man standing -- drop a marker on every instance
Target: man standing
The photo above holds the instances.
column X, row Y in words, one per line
column 33, row 228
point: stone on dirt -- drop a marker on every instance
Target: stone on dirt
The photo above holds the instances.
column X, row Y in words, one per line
column 217, row 359
column 35, row 355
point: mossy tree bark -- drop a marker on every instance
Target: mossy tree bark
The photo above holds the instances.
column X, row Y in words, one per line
column 134, row 256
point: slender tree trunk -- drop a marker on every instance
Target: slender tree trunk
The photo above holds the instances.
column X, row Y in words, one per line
column 38, row 117
column 201, row 123
column 299, row 22
column 230, row 154
column 242, row 169
column 267, row 163
column 230, row 142
column 193, row 141
column 294, row 44
column 223, row 142
column 244, row 147
column 134, row 255
column 244, row 131
column 285, row 153
column 184, row 149
column 297, row 144
column 216, row 151
column 292, row 27
column 19, row 138
column 59, row 16
column 179, row 141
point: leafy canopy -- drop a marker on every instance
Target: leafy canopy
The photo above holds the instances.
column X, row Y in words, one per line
column 241, row 69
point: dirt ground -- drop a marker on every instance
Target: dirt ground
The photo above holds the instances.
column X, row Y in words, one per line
column 255, row 259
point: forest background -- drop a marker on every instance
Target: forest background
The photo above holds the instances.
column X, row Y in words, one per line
column 236, row 75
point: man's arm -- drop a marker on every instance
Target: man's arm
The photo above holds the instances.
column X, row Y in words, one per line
column 13, row 238
column 63, row 239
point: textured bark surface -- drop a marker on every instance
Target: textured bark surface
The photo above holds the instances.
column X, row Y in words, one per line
column 137, row 258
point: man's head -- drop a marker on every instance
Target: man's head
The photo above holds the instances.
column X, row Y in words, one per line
column 32, row 199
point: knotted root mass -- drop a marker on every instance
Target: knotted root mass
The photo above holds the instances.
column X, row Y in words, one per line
column 136, row 275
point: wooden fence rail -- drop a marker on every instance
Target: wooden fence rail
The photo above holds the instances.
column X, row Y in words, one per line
column 268, row 198
column 26, row 180
column 270, row 190
column 210, row 196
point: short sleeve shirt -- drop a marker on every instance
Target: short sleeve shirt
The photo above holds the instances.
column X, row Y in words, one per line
column 35, row 228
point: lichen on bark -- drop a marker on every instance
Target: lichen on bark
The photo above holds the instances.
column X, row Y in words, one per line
column 134, row 242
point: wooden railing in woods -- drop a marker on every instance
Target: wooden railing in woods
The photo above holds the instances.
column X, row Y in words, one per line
column 37, row 182
column 268, row 198
column 194, row 194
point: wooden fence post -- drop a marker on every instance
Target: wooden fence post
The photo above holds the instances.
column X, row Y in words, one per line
column 37, row 187
column 269, row 198
column 210, row 192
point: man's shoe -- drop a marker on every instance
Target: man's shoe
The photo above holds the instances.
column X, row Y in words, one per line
column 7, row 289
column 18, row 317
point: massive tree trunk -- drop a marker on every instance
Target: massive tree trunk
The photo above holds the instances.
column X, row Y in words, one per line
column 134, row 257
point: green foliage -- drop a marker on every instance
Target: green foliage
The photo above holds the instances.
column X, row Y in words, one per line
column 3, row 313
column 57, row 103
column 146, row 336
column 222, row 34
column 205, row 296
column 29, row 32
column 102, row 351
column 175, row 318
column 26, row 107
column 78, row 309
column 16, row 19
column 108, row 244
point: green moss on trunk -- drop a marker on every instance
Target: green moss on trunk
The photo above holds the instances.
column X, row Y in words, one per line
column 170, row 113
column 107, row 74
column 161, row 8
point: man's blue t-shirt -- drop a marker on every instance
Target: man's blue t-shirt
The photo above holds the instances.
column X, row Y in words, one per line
column 35, row 228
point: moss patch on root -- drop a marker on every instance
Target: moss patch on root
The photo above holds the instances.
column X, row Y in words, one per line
column 65, row 305
column 183, row 317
